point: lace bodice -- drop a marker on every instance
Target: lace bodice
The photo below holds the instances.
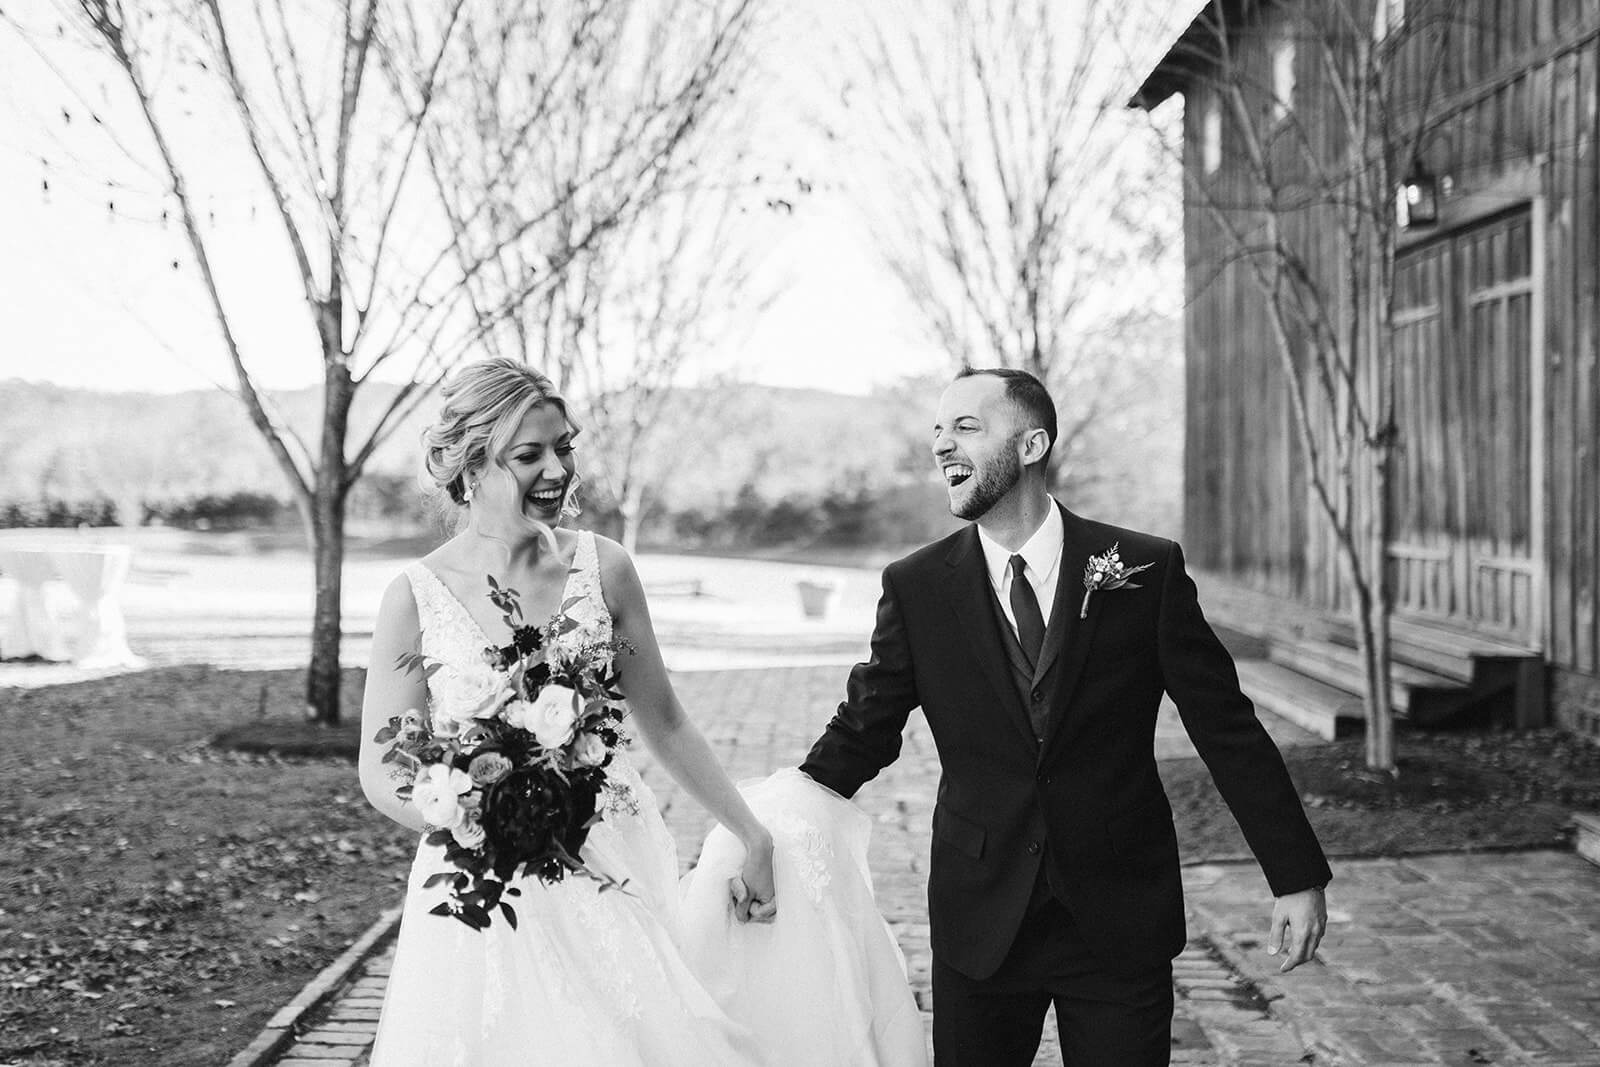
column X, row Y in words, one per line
column 452, row 637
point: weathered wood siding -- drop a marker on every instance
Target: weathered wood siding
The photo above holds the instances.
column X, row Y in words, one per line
column 1518, row 113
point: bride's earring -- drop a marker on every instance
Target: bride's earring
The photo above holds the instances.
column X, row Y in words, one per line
column 467, row 495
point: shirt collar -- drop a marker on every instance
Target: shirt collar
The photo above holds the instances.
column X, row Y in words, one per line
column 1042, row 551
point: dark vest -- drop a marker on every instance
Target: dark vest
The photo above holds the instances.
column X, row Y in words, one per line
column 1036, row 691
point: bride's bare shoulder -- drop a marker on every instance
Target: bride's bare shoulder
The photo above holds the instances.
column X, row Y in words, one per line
column 613, row 558
column 619, row 579
column 446, row 557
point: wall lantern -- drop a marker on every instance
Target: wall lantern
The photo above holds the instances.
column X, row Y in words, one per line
column 1417, row 199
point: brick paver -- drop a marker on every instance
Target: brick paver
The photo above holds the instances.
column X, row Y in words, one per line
column 1452, row 959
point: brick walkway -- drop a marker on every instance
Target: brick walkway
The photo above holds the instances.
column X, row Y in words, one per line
column 1456, row 959
column 759, row 720
column 1428, row 960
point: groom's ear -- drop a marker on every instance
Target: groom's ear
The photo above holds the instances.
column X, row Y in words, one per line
column 1035, row 443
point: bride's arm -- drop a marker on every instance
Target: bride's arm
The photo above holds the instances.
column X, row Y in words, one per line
column 391, row 690
column 666, row 728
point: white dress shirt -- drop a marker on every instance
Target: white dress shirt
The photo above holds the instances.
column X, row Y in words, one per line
column 1041, row 553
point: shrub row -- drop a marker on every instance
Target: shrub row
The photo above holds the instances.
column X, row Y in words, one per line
column 846, row 517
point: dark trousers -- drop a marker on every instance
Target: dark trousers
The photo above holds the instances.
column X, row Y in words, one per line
column 1105, row 1018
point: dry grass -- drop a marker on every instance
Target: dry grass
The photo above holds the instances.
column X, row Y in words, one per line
column 162, row 898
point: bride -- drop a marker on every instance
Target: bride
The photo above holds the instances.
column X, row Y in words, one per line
column 770, row 952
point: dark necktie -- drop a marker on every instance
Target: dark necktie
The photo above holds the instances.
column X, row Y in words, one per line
column 1025, row 606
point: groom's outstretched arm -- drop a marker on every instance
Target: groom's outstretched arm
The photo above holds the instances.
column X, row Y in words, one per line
column 1243, row 760
column 864, row 735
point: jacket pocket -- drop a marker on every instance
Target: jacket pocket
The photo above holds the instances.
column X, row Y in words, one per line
column 959, row 832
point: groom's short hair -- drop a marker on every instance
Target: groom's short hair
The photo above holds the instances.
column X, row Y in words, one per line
column 1028, row 394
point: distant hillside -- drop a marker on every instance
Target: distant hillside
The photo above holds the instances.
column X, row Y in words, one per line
column 712, row 447
column 76, row 442
column 73, row 443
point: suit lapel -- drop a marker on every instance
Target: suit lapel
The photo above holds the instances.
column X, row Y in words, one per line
column 1076, row 548
column 970, row 598
column 1063, row 608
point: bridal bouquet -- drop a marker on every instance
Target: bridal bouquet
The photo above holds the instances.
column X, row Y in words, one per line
column 510, row 770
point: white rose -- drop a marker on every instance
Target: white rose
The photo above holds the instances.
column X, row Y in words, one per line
column 473, row 693
column 588, row 750
column 437, row 794
column 519, row 713
column 468, row 832
column 554, row 716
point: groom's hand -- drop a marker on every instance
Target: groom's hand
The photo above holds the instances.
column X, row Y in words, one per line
column 1298, row 922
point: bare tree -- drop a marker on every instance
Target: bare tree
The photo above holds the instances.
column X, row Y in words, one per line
column 657, row 262
column 1017, row 205
column 673, row 286
column 1296, row 173
column 337, row 108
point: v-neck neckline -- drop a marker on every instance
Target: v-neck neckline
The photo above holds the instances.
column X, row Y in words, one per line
column 472, row 620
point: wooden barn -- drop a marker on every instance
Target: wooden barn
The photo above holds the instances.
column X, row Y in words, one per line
column 1496, row 484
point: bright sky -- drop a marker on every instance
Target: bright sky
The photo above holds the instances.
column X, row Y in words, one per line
column 91, row 297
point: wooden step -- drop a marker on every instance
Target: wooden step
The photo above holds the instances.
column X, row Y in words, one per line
column 1442, row 674
column 1588, row 842
column 1431, row 644
column 1258, row 614
column 1327, row 711
column 1436, row 649
column 1447, row 651
column 1340, row 667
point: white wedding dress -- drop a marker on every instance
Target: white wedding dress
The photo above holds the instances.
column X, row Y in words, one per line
column 661, row 974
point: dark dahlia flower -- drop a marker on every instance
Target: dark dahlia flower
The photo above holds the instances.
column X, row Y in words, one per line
column 531, row 816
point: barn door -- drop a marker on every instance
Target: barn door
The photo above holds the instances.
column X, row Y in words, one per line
column 1467, row 502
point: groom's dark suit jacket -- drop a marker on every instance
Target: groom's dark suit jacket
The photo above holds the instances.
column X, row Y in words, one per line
column 1072, row 779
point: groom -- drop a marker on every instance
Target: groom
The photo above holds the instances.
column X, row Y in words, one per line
column 1054, row 873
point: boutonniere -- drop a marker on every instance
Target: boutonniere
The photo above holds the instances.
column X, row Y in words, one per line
column 1107, row 572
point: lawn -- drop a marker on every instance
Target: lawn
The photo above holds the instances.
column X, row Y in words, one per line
column 161, row 898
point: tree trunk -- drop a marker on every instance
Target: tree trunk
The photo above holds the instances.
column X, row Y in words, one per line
column 327, row 525
column 323, row 677
column 1370, row 613
column 1380, row 730
column 1380, row 609
column 1375, row 690
column 632, row 508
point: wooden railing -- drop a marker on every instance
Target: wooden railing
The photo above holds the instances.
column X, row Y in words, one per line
column 1485, row 591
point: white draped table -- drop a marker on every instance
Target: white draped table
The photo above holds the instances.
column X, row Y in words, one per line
column 92, row 633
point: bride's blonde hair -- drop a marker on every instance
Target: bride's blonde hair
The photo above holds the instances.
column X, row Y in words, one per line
column 484, row 403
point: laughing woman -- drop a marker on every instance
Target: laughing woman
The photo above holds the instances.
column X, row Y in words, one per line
column 638, row 976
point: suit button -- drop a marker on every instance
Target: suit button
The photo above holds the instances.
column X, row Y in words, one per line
column 1040, row 739
column 1033, row 848
column 1037, row 696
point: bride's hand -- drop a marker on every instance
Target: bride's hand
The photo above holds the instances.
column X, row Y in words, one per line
column 752, row 890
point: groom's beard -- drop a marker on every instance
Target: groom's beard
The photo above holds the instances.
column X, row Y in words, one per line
column 993, row 482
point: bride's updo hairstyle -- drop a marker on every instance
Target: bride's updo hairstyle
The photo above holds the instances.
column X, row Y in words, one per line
column 484, row 403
